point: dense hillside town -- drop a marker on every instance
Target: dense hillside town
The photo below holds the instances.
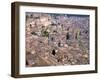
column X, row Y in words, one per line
column 56, row 39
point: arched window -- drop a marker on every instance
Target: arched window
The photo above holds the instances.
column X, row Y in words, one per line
column 67, row 36
column 59, row 44
column 53, row 52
